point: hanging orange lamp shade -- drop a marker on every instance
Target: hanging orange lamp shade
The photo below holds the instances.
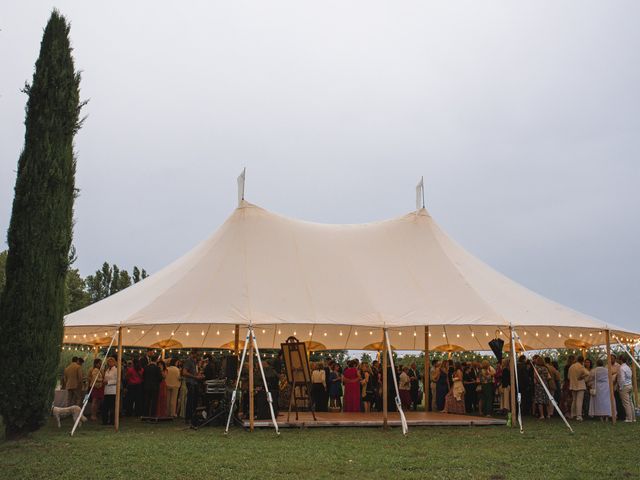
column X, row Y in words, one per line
column 168, row 343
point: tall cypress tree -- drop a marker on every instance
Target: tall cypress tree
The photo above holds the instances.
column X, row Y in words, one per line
column 39, row 237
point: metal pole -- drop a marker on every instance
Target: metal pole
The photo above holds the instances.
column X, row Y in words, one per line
column 610, row 375
column 427, row 370
column 385, row 382
column 634, row 375
column 116, row 420
column 251, row 406
column 512, row 378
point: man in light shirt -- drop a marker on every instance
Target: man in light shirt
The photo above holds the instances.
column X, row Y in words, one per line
column 577, row 375
column 624, row 387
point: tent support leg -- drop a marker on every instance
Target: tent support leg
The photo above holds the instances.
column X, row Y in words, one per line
column 236, row 352
column 385, row 383
column 403, row 420
column 512, row 378
column 235, row 390
column 610, row 375
column 265, row 385
column 251, row 387
column 116, row 420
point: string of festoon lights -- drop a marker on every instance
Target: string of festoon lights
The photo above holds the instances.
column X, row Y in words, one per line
column 487, row 334
column 76, row 343
column 461, row 356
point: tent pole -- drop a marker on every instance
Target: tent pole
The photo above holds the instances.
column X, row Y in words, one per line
column 236, row 352
column 385, row 387
column 610, row 375
column 116, row 420
column 512, row 379
column 426, row 387
column 634, row 375
column 251, row 406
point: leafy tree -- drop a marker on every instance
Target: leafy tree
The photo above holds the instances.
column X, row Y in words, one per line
column 76, row 296
column 366, row 357
column 107, row 274
column 115, row 278
column 124, row 280
column 136, row 274
column 95, row 287
column 39, row 237
column 109, row 280
column 3, row 262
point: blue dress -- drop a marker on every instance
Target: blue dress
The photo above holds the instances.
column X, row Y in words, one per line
column 442, row 388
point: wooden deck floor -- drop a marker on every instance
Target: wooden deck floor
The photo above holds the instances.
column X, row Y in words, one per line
column 374, row 419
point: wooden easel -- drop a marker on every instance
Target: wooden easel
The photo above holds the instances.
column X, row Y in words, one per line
column 298, row 375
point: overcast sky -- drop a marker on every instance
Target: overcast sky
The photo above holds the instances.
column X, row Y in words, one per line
column 522, row 116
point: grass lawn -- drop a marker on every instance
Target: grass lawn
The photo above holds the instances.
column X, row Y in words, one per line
column 545, row 451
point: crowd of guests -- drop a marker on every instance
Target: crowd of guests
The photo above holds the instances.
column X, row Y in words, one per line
column 358, row 386
column 581, row 390
column 153, row 387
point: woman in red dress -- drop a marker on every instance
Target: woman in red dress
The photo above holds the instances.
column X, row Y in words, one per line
column 351, row 380
column 162, row 408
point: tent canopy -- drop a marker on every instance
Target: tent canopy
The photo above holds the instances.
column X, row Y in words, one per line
column 339, row 285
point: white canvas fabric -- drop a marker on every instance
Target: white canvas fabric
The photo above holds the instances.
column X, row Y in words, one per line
column 338, row 285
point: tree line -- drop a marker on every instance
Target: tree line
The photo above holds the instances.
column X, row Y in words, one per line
column 106, row 281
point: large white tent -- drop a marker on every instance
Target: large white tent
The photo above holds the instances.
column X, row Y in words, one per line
column 337, row 285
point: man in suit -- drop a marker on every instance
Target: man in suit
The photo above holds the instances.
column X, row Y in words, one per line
column 577, row 375
column 192, row 378
column 151, row 378
column 72, row 382
column 147, row 359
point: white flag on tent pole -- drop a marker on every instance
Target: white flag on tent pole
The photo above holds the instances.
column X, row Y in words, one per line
column 241, row 187
column 420, row 194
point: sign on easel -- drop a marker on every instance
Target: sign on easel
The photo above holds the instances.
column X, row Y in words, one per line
column 298, row 373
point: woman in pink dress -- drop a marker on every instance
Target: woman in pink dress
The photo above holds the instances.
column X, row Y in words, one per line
column 351, row 380
column 162, row 408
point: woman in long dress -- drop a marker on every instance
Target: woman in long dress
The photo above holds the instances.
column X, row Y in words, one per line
column 351, row 381
column 182, row 393
column 335, row 381
column 163, row 404
column 600, row 405
column 539, row 393
column 442, row 384
column 454, row 401
column 97, row 394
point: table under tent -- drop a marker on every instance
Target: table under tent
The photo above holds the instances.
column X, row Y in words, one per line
column 402, row 283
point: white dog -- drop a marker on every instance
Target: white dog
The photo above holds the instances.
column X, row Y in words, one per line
column 73, row 410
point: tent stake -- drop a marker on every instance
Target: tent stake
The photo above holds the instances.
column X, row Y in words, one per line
column 116, row 420
column 610, row 375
